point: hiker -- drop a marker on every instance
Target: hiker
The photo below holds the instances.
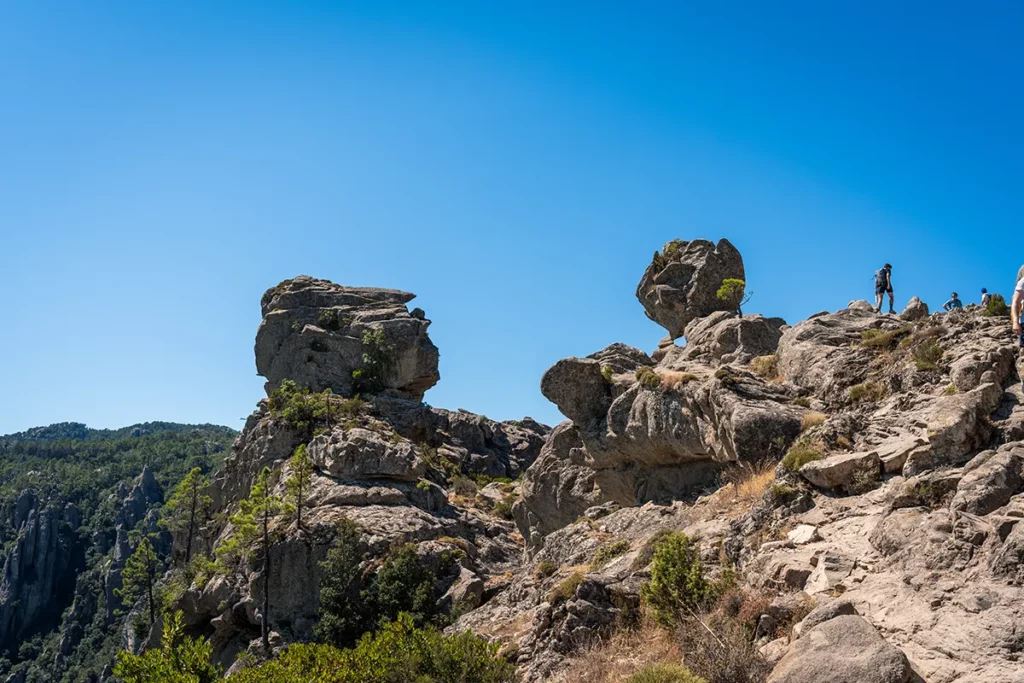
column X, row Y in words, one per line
column 883, row 284
column 953, row 304
column 985, row 296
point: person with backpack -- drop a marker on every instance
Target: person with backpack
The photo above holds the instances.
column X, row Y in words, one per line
column 883, row 285
column 953, row 304
column 985, row 296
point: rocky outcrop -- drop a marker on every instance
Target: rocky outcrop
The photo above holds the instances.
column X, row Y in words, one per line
column 682, row 282
column 34, row 585
column 314, row 333
column 724, row 337
column 146, row 493
column 915, row 310
column 558, row 488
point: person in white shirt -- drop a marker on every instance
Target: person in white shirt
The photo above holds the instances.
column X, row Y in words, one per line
column 985, row 296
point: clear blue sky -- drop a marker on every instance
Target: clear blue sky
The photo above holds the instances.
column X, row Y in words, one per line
column 514, row 164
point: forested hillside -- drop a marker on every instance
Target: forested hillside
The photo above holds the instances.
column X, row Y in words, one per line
column 69, row 498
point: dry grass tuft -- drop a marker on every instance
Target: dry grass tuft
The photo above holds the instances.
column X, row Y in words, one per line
column 744, row 484
column 624, row 654
column 812, row 419
column 672, row 379
column 766, row 366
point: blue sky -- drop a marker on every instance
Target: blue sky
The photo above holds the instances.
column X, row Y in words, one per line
column 514, row 164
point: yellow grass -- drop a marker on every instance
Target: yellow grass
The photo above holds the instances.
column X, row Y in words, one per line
column 623, row 654
column 672, row 379
column 812, row 419
column 745, row 483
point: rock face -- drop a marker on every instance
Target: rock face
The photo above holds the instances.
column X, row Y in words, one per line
column 682, row 282
column 313, row 334
column 35, row 574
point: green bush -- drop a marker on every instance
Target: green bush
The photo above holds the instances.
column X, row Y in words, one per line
column 801, row 401
column 798, row 456
column 678, row 585
column 399, row 652
column 648, row 378
column 881, row 340
column 927, row 355
column 664, row 673
column 996, row 307
column 733, row 294
column 378, row 362
column 609, row 552
column 566, row 588
column 299, row 408
column 179, row 660
column 328, row 319
column 606, row 372
column 503, row 508
column 544, row 569
column 867, row 392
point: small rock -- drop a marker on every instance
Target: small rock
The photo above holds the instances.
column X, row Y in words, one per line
column 804, row 534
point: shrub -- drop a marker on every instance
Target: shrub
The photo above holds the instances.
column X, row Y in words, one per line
column 609, row 552
column 927, row 354
column 766, row 366
column 328, row 319
column 606, row 372
column 180, row 659
column 733, row 293
column 812, row 419
column 378, row 362
column 544, row 569
column 720, row 650
column 673, row 249
column 678, row 585
column 503, row 508
column 671, row 379
column 648, row 378
column 951, row 390
column 867, row 392
column 404, row 584
column 565, row 588
column 996, row 307
column 400, row 651
column 781, row 493
column 749, row 480
column 664, row 673
column 798, row 456
column 882, row 340
column 801, row 401
column 298, row 408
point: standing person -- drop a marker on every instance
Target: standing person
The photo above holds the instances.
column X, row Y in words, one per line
column 985, row 296
column 954, row 304
column 883, row 285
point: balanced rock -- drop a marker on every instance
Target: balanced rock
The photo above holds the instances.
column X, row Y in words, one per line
column 683, row 279
column 314, row 332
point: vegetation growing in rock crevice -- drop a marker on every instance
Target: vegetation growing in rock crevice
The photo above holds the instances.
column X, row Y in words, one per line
column 733, row 293
column 799, row 455
column 678, row 585
column 867, row 392
column 379, row 362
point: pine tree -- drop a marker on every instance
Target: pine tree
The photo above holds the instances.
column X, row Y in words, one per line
column 253, row 537
column 188, row 508
column 298, row 481
column 138, row 579
column 180, row 659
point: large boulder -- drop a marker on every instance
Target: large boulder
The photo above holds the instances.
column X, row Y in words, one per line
column 846, row 649
column 360, row 453
column 724, row 337
column 313, row 333
column 682, row 282
column 915, row 310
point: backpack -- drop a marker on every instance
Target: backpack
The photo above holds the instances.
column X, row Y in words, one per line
column 881, row 278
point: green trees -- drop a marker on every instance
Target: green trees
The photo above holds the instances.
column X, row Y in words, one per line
column 344, row 612
column 188, row 507
column 378, row 362
column 302, row 410
column 354, row 601
column 733, row 293
column 996, row 307
column 298, row 481
column 180, row 660
column 138, row 580
column 398, row 652
column 678, row 586
column 253, row 537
